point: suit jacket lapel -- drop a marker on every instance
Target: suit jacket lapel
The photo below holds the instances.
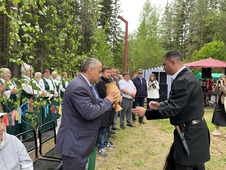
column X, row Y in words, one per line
column 88, row 87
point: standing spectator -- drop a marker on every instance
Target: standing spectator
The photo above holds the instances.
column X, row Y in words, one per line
column 81, row 120
column 117, row 74
column 48, row 85
column 113, row 76
column 128, row 92
column 107, row 117
column 30, row 90
column 38, row 76
column 200, row 81
column 141, row 86
column 13, row 154
column 152, row 89
column 184, row 107
column 210, row 84
column 55, row 81
column 64, row 84
column 219, row 115
column 10, row 97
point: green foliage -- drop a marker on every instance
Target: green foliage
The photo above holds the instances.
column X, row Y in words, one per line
column 144, row 46
column 215, row 49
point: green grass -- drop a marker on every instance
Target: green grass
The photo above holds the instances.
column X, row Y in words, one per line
column 145, row 147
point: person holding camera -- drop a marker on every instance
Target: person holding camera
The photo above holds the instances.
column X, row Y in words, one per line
column 219, row 115
column 152, row 89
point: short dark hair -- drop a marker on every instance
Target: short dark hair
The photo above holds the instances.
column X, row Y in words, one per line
column 174, row 54
column 46, row 70
column 105, row 68
column 90, row 62
column 125, row 73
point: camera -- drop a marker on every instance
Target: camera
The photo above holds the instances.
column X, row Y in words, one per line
column 219, row 81
column 153, row 85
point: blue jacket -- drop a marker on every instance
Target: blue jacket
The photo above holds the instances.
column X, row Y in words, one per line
column 141, row 88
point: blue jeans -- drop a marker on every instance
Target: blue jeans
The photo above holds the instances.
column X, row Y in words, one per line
column 102, row 139
column 139, row 101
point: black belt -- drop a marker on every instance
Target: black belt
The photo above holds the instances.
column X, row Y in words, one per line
column 194, row 122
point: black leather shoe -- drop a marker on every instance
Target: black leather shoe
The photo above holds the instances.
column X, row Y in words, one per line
column 113, row 132
column 122, row 127
column 115, row 128
column 130, row 125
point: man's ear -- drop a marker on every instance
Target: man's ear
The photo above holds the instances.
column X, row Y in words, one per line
column 90, row 70
column 173, row 61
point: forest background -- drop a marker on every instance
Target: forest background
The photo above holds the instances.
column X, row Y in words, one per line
column 61, row 34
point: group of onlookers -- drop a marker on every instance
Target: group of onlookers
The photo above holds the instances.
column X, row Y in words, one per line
column 218, row 90
column 37, row 96
column 133, row 93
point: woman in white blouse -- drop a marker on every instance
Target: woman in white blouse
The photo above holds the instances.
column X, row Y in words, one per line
column 152, row 89
column 9, row 97
column 47, row 84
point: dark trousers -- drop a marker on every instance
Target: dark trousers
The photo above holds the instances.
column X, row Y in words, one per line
column 71, row 163
column 102, row 139
column 139, row 101
column 149, row 100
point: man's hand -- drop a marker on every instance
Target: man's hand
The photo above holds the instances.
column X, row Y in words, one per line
column 133, row 94
column 120, row 101
column 139, row 111
column 113, row 96
column 154, row 105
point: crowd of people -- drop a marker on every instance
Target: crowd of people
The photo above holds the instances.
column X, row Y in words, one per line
column 33, row 101
column 89, row 118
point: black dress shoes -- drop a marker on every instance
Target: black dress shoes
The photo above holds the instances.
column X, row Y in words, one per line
column 115, row 128
column 122, row 127
column 130, row 125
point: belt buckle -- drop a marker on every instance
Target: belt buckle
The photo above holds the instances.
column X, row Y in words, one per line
column 194, row 122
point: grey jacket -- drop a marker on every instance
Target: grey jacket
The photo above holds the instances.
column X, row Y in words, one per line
column 13, row 154
column 81, row 118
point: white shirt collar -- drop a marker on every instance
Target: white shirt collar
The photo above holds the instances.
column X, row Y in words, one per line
column 176, row 74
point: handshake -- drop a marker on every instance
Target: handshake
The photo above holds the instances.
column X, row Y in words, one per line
column 140, row 111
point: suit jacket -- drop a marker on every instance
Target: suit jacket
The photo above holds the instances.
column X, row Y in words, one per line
column 80, row 120
column 141, row 88
column 185, row 104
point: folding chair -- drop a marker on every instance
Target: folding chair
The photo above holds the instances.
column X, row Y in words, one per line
column 30, row 144
column 47, row 132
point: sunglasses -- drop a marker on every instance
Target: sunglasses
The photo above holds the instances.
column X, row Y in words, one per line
column 140, row 73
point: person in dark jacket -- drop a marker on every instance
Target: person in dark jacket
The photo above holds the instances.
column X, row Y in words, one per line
column 80, row 122
column 141, row 86
column 184, row 107
column 107, row 117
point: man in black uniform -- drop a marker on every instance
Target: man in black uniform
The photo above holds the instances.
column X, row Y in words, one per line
column 184, row 107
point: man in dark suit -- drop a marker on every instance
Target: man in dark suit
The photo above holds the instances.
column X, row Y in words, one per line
column 80, row 121
column 185, row 110
column 141, row 86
